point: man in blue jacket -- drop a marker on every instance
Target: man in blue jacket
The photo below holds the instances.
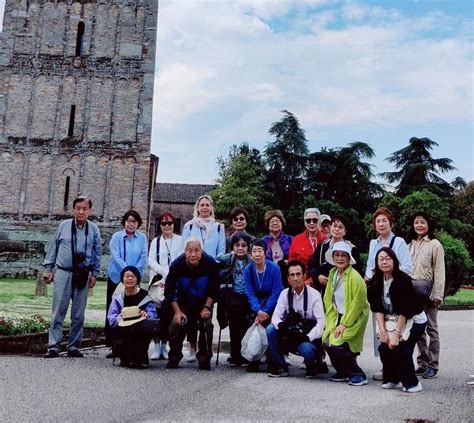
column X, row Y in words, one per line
column 262, row 287
column 191, row 288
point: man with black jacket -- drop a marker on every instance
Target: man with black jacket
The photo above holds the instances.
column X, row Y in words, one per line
column 192, row 286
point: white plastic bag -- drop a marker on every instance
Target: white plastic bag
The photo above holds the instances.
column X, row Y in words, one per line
column 254, row 343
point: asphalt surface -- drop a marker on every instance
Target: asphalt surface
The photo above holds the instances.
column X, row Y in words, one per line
column 92, row 389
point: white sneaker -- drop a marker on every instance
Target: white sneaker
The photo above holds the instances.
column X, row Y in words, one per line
column 378, row 376
column 416, row 388
column 191, row 357
column 155, row 355
column 164, row 351
column 391, row 385
column 287, row 360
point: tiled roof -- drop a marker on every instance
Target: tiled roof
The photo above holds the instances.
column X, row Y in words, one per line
column 180, row 193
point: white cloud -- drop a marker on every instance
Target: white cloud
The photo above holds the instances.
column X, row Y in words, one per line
column 223, row 65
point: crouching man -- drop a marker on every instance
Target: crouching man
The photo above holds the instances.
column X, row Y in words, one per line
column 191, row 288
column 297, row 324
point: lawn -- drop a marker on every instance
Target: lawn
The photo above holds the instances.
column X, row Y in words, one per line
column 17, row 299
column 462, row 297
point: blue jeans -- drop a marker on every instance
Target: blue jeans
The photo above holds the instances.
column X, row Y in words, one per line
column 64, row 292
column 398, row 363
column 307, row 350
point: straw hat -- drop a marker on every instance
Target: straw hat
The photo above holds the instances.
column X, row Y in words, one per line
column 130, row 316
column 339, row 246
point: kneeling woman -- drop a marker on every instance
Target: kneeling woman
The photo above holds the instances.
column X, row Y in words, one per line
column 347, row 312
column 393, row 300
column 126, row 310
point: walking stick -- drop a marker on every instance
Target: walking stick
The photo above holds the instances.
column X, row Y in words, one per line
column 218, row 346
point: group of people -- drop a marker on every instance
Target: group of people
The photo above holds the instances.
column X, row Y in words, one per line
column 307, row 291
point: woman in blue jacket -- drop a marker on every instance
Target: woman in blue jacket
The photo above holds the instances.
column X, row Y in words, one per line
column 262, row 287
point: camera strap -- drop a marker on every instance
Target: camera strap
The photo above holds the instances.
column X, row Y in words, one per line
column 305, row 300
column 74, row 239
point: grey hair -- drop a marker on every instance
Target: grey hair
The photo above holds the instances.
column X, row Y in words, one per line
column 312, row 210
column 193, row 239
column 202, row 197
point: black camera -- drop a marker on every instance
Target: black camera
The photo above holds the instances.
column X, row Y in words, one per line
column 78, row 260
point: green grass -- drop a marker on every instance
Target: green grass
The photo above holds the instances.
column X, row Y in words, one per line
column 462, row 297
column 17, row 299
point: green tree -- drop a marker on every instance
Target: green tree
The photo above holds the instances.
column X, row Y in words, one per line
column 458, row 264
column 240, row 181
column 286, row 161
column 343, row 176
column 463, row 203
column 417, row 169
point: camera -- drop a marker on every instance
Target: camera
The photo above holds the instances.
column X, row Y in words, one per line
column 78, row 260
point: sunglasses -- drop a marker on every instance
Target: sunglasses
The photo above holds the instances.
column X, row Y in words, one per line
column 167, row 223
column 239, row 219
column 311, row 220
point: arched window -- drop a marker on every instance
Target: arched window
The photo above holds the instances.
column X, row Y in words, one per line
column 80, row 35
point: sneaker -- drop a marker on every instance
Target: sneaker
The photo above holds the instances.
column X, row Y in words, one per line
column 164, row 352
column 172, row 364
column 51, row 354
column 339, row 378
column 155, row 355
column 287, row 360
column 392, row 385
column 416, row 388
column 378, row 376
column 278, row 372
column 358, row 381
column 75, row 354
column 311, row 373
column 430, row 373
column 420, row 370
column 191, row 358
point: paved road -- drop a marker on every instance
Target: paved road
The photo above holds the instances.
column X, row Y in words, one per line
column 91, row 389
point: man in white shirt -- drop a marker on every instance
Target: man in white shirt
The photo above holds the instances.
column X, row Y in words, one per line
column 297, row 323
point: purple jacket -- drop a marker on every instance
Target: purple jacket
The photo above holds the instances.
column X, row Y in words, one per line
column 113, row 316
column 285, row 244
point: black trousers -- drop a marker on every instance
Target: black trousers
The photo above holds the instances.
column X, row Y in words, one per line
column 111, row 286
column 240, row 319
column 131, row 347
column 177, row 334
column 344, row 360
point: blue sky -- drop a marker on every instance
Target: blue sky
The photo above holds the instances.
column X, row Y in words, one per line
column 373, row 71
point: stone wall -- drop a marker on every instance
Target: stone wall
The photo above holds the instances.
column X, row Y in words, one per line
column 76, row 97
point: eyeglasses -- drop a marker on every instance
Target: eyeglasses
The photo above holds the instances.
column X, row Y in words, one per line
column 385, row 259
column 311, row 220
column 131, row 221
column 239, row 219
column 166, row 223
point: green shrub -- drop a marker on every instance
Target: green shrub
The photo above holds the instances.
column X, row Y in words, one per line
column 18, row 326
column 458, row 263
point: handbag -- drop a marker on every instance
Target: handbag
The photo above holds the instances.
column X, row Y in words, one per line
column 254, row 343
column 391, row 324
column 423, row 287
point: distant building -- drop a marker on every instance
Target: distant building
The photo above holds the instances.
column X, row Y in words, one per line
column 76, row 98
column 179, row 199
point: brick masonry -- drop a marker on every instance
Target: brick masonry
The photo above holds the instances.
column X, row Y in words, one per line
column 76, row 97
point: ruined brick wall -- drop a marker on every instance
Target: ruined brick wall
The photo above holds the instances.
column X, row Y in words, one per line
column 76, row 95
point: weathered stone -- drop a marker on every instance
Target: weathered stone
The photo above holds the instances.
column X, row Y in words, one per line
column 74, row 118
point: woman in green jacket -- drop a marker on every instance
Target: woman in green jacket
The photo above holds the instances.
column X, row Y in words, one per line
column 347, row 312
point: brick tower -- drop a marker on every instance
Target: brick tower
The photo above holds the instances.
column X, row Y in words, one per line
column 76, row 96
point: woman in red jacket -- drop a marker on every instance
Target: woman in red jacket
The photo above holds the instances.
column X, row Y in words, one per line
column 305, row 244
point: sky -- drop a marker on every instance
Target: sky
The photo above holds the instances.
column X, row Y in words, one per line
column 379, row 72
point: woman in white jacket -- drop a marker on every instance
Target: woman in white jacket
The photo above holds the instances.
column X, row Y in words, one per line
column 163, row 250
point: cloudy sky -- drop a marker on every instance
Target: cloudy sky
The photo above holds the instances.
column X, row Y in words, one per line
column 373, row 71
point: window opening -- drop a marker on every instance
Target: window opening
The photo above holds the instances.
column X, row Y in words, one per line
column 66, row 192
column 80, row 35
column 72, row 116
